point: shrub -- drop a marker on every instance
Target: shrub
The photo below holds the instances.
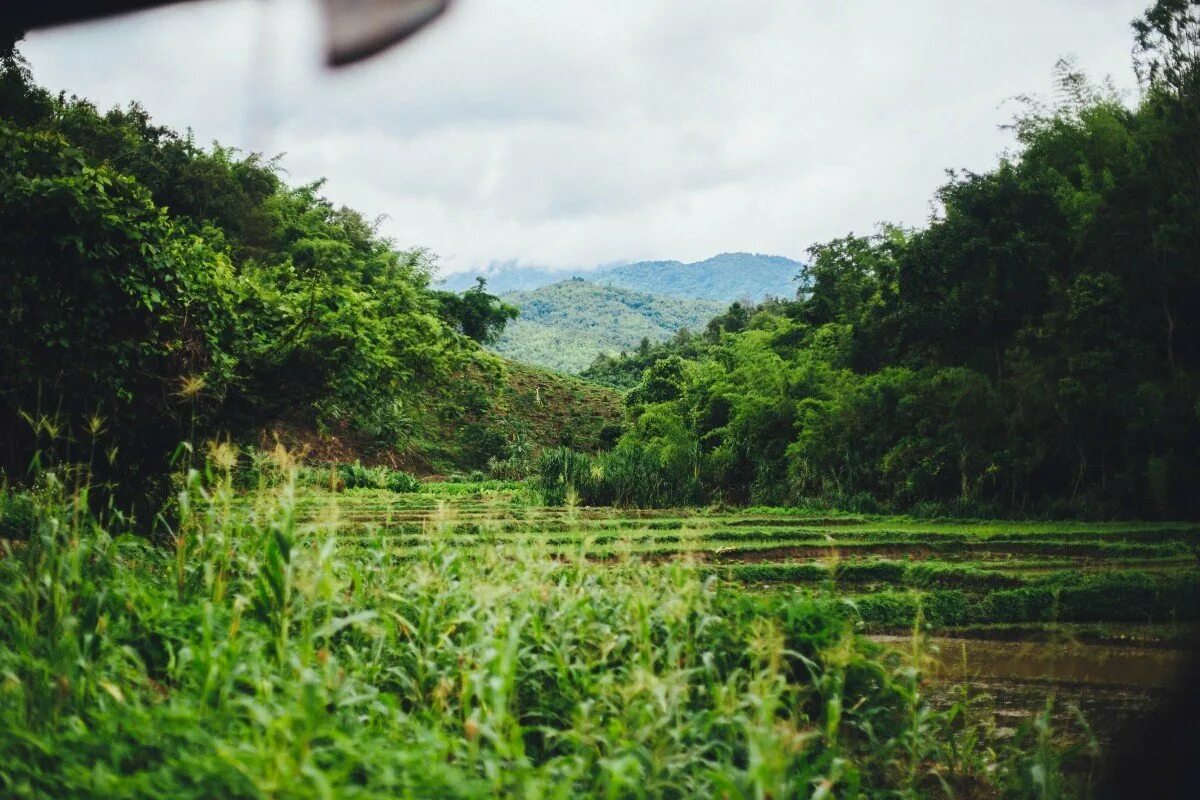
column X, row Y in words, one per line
column 482, row 443
column 633, row 475
column 562, row 473
column 357, row 476
column 18, row 515
column 400, row 482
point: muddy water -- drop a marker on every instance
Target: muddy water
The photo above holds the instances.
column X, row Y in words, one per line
column 1110, row 686
column 960, row 660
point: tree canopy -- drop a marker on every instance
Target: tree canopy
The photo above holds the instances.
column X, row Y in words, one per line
column 1035, row 349
column 156, row 290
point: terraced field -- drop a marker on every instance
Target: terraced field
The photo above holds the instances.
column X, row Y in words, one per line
column 1104, row 612
column 951, row 574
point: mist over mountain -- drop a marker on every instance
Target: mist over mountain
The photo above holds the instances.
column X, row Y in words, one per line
column 725, row 277
column 509, row 276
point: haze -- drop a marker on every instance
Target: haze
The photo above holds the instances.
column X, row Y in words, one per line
column 576, row 134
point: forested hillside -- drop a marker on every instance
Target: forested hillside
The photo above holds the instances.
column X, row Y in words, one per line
column 155, row 291
column 727, row 277
column 1034, row 350
column 566, row 325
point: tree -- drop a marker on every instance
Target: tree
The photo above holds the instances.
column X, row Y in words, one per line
column 1034, row 349
column 477, row 314
column 160, row 292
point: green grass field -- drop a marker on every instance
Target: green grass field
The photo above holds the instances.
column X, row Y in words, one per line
column 462, row 641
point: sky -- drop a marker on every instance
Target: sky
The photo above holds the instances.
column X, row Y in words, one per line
column 577, row 133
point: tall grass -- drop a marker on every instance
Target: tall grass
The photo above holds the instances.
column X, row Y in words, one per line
column 629, row 476
column 249, row 655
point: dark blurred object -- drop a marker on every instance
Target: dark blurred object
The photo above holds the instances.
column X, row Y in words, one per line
column 354, row 29
column 358, row 29
column 24, row 16
column 1159, row 756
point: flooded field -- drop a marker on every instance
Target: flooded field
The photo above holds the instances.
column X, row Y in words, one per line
column 1100, row 665
column 1096, row 688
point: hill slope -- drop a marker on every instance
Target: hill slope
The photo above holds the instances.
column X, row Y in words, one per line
column 565, row 325
column 726, row 277
column 547, row 408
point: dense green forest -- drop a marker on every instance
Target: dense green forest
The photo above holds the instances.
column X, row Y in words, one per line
column 566, row 325
column 156, row 291
column 625, row 370
column 615, row 315
column 1033, row 350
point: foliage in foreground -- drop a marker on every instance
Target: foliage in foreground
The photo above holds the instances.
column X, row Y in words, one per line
column 250, row 658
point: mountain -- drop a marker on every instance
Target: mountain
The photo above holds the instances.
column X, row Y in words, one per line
column 507, row 277
column 726, row 277
column 565, row 325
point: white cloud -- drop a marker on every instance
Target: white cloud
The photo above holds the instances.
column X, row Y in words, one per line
column 572, row 134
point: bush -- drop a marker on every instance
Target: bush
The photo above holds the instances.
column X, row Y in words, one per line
column 357, row 476
column 561, row 473
column 481, row 444
column 18, row 515
column 633, row 475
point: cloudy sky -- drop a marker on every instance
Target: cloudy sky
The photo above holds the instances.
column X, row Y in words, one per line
column 581, row 132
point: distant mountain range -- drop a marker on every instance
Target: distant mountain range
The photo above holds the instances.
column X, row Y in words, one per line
column 565, row 325
column 726, row 277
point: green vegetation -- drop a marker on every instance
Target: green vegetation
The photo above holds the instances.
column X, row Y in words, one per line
column 624, row 371
column 475, row 313
column 157, row 292
column 564, row 326
column 1032, row 352
column 559, row 409
column 356, row 476
column 609, row 325
column 262, row 651
column 693, row 589
column 725, row 278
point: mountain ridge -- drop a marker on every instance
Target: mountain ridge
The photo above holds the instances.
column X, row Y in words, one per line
column 726, row 277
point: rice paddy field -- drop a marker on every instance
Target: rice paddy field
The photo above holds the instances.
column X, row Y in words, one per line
column 987, row 575
column 1105, row 617
column 461, row 640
